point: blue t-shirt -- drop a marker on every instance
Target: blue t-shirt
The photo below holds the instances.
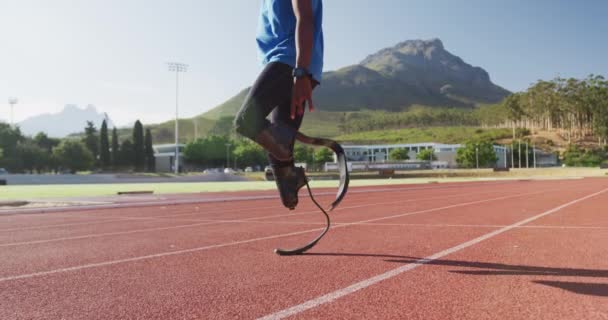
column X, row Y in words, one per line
column 276, row 36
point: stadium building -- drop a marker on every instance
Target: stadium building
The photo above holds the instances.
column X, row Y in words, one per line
column 445, row 153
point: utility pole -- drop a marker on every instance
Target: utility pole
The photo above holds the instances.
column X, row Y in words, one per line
column 505, row 156
column 12, row 102
column 527, row 163
column 227, row 155
column 477, row 157
column 519, row 153
column 534, row 155
column 177, row 68
column 512, row 155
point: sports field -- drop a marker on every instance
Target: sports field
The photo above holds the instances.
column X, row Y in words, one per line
column 477, row 250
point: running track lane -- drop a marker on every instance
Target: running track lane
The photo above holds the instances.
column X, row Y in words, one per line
column 244, row 280
column 57, row 253
column 553, row 268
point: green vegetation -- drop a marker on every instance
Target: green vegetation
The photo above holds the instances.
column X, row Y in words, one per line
column 426, row 154
column 476, row 154
column 208, row 152
column 575, row 156
column 249, row 154
column 575, row 108
column 104, row 146
column 398, row 154
column 88, row 152
column 414, row 117
column 74, row 156
column 322, row 156
column 434, row 134
column 149, row 152
column 115, row 149
column 139, row 156
column 91, row 139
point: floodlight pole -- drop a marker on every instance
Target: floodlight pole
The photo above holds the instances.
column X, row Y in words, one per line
column 519, row 154
column 228, row 155
column 527, row 163
column 477, row 157
column 177, row 68
column 513, row 154
column 12, row 102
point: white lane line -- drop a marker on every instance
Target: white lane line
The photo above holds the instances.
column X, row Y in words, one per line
column 102, row 220
column 204, row 222
column 332, row 296
column 484, row 226
column 109, row 219
column 234, row 243
column 360, row 189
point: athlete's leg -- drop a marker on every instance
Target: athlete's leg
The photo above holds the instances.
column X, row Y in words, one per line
column 272, row 88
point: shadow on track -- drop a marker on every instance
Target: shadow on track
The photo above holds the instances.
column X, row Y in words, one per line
column 501, row 269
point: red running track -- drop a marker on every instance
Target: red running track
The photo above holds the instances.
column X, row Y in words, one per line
column 510, row 250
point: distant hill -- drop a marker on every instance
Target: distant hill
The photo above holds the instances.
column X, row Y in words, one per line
column 70, row 120
column 414, row 72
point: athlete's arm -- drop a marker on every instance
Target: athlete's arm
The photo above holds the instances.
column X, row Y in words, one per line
column 302, row 89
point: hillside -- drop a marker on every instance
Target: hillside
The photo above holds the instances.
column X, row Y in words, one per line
column 414, row 72
column 403, row 77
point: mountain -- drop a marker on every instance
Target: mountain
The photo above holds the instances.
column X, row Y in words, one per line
column 414, row 72
column 70, row 120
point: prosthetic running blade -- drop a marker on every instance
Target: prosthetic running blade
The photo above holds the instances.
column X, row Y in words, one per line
column 342, row 189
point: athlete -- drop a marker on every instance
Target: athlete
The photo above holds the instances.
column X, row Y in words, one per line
column 290, row 46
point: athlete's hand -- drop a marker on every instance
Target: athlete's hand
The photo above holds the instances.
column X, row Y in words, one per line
column 302, row 94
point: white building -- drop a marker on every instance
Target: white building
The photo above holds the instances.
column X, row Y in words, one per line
column 164, row 156
column 445, row 153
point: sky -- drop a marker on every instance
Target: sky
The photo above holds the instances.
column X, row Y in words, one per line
column 113, row 53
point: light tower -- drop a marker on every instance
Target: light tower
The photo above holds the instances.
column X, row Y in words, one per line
column 12, row 102
column 177, row 68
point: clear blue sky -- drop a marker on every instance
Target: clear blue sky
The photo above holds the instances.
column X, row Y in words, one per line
column 111, row 53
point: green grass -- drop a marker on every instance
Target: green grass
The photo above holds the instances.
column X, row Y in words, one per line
column 30, row 192
column 434, row 134
column 93, row 190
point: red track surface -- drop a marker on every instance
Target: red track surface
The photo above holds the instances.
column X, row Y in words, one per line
column 512, row 250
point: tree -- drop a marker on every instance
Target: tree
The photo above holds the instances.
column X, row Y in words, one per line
column 126, row 155
column 139, row 156
column 10, row 137
column 473, row 151
column 104, row 146
column 149, row 151
column 46, row 143
column 323, row 155
column 73, row 155
column 91, row 140
column 249, row 154
column 207, row 152
column 303, row 153
column 115, row 155
column 32, row 157
column 398, row 154
column 426, row 155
